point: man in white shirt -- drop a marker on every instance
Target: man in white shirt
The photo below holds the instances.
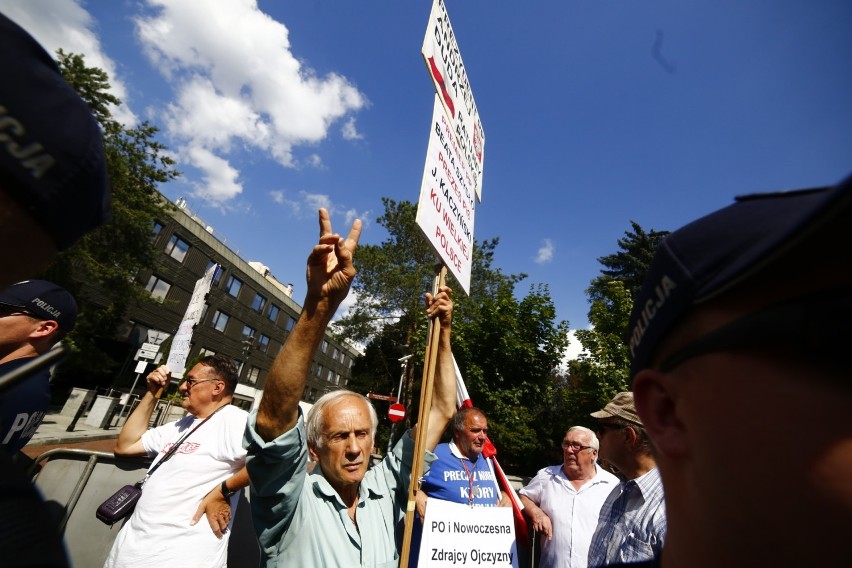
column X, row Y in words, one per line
column 203, row 477
column 563, row 501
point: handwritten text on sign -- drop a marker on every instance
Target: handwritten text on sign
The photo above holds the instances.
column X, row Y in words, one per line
column 445, row 211
column 459, row 535
column 443, row 60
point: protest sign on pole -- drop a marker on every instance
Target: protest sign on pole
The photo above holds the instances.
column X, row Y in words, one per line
column 183, row 338
column 445, row 211
column 444, row 63
column 460, row 535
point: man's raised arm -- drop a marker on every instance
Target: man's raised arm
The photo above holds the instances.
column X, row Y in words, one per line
column 444, row 394
column 329, row 275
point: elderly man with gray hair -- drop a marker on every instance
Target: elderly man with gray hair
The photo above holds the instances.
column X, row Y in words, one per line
column 563, row 501
column 339, row 514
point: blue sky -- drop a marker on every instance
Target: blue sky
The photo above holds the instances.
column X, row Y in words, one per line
column 595, row 112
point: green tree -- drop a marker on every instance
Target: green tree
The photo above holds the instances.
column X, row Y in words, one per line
column 113, row 254
column 603, row 369
column 630, row 263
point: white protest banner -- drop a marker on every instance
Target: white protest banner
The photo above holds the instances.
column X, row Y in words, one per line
column 445, row 211
column 180, row 349
column 181, row 343
column 199, row 295
column 443, row 60
column 460, row 535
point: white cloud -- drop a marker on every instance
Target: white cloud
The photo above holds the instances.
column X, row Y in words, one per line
column 350, row 131
column 314, row 201
column 315, row 161
column 351, row 214
column 545, row 253
column 277, row 196
column 237, row 84
column 219, row 178
column 65, row 24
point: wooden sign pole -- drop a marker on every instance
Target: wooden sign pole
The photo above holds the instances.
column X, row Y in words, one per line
column 422, row 423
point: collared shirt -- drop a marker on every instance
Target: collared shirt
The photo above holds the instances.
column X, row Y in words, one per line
column 301, row 520
column 573, row 513
column 632, row 523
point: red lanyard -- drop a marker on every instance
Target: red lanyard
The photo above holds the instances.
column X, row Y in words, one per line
column 470, row 476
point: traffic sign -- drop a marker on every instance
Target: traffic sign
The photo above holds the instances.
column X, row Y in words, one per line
column 381, row 397
column 157, row 337
column 396, row 412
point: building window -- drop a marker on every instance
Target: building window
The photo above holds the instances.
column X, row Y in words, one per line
column 156, row 227
column 217, row 276
column 263, row 343
column 337, row 378
column 335, row 354
column 324, row 346
column 290, row 323
column 258, row 303
column 248, row 331
column 220, row 320
column 233, row 286
column 177, row 248
column 319, row 371
column 252, row 375
column 205, row 352
column 273, row 312
column 158, row 288
column 330, row 376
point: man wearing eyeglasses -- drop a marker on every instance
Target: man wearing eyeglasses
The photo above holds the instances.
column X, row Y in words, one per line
column 563, row 501
column 740, row 341
column 202, row 478
column 632, row 522
column 34, row 316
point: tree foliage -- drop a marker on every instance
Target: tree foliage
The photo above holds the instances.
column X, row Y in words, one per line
column 112, row 255
column 507, row 349
column 603, row 369
column 629, row 264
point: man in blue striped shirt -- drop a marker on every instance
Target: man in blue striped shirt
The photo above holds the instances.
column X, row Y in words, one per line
column 632, row 522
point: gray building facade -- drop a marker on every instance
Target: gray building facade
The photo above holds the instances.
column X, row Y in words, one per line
column 248, row 312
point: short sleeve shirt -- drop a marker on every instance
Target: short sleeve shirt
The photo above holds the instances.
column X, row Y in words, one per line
column 300, row 518
column 573, row 513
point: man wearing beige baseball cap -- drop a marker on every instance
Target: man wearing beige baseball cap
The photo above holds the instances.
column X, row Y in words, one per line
column 632, row 522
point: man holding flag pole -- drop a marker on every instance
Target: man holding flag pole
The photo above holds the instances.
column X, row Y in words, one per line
column 467, row 470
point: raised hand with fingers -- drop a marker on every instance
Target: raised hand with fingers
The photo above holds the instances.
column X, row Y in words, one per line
column 330, row 271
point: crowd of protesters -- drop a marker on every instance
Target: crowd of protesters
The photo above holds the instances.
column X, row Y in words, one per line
column 733, row 448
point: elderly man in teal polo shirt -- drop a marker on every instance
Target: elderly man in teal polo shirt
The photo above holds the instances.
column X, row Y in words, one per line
column 340, row 514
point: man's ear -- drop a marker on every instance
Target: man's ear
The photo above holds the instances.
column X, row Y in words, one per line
column 313, row 453
column 44, row 329
column 657, row 407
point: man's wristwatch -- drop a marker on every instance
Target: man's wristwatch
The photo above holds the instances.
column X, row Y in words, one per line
column 227, row 493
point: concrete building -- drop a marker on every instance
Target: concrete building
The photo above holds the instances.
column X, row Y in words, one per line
column 248, row 316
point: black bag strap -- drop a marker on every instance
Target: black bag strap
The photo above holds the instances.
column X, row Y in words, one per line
column 175, row 447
